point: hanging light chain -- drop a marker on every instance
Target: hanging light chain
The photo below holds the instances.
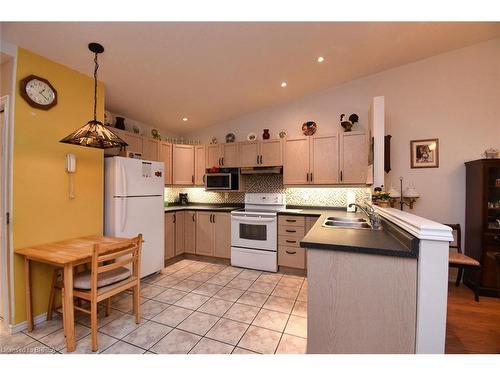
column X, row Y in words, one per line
column 95, row 86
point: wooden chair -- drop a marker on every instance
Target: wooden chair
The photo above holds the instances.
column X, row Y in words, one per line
column 108, row 276
column 458, row 259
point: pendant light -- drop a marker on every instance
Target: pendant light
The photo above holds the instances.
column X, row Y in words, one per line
column 94, row 133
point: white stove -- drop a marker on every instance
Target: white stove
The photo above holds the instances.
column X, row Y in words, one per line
column 254, row 232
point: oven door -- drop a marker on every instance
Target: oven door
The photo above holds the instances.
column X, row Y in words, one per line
column 254, row 231
column 218, row 181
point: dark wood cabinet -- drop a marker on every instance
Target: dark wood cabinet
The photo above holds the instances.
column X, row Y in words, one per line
column 482, row 222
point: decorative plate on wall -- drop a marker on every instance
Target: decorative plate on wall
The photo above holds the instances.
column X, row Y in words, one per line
column 309, row 128
column 230, row 138
column 251, row 136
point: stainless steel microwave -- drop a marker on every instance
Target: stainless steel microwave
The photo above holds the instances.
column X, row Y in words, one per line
column 226, row 179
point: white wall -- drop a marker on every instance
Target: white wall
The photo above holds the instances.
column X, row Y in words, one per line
column 454, row 97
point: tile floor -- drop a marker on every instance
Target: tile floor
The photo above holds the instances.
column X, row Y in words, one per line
column 191, row 307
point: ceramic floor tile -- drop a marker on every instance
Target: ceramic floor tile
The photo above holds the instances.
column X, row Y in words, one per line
column 182, row 274
column 208, row 346
column 261, row 287
column 84, row 345
column 176, row 342
column 187, row 285
column 214, row 268
column 147, row 335
column 121, row 327
column 253, row 299
column 302, row 295
column 229, row 294
column 102, row 319
column 292, row 345
column 201, row 276
column 153, row 279
column 291, row 282
column 121, row 347
column 297, row 326
column 57, row 341
column 215, row 306
column 168, row 282
column 271, row 320
column 150, row 291
column 45, row 328
column 260, row 340
column 242, row 313
column 152, row 308
column 172, row 316
column 242, row 284
column 198, row 323
column 280, row 304
column 207, row 289
column 126, row 304
column 36, row 348
column 300, row 309
column 238, row 350
column 221, row 280
column 271, row 278
column 227, row 331
column 170, row 296
column 10, row 343
column 249, row 275
column 286, row 291
column 231, row 271
column 192, row 301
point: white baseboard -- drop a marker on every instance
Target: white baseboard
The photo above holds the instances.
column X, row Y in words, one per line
column 14, row 328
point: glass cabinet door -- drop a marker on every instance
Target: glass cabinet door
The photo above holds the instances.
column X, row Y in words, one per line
column 493, row 198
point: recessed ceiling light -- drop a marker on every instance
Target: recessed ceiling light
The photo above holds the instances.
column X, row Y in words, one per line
column 184, row 119
column 321, row 59
column 283, row 84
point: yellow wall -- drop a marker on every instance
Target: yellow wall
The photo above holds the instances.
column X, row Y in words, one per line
column 42, row 210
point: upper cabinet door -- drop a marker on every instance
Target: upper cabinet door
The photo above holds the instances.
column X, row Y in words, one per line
column 213, row 156
column 151, row 149
column 249, row 151
column 271, row 153
column 353, row 158
column 324, row 159
column 199, row 165
column 296, row 161
column 166, row 158
column 230, row 155
column 183, row 162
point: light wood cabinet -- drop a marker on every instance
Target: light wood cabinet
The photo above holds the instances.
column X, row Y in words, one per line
column 353, row 158
column 326, row 160
column 199, row 165
column 179, row 232
column 183, row 164
column 271, row 153
column 230, row 155
column 249, row 152
column 204, row 233
column 190, row 232
column 296, row 161
column 222, row 236
column 150, row 149
column 169, row 235
column 213, row 156
column 134, row 142
column 165, row 155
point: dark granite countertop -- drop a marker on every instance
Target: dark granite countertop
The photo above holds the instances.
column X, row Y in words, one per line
column 391, row 241
column 223, row 207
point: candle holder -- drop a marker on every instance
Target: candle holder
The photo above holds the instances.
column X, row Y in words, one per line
column 406, row 198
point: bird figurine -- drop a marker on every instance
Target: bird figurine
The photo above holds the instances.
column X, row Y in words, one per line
column 348, row 124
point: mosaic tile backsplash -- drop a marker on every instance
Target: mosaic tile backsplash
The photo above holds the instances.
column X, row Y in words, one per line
column 332, row 197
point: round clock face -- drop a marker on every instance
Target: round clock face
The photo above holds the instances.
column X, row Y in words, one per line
column 38, row 92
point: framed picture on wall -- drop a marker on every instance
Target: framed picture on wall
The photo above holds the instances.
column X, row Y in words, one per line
column 425, row 153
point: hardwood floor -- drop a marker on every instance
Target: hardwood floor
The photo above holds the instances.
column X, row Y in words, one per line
column 472, row 327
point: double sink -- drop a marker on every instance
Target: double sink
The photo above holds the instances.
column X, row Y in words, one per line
column 346, row 222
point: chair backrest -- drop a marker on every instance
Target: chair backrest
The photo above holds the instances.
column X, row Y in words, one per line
column 457, row 235
column 112, row 256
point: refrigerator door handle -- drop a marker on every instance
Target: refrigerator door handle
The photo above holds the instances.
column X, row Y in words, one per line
column 124, row 214
column 123, row 177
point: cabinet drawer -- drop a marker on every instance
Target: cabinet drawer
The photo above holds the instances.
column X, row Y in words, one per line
column 296, row 221
column 289, row 241
column 291, row 257
column 286, row 230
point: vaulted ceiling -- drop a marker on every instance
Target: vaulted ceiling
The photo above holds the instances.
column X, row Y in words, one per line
column 209, row 72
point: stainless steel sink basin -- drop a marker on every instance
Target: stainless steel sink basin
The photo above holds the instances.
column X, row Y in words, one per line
column 346, row 225
column 347, row 219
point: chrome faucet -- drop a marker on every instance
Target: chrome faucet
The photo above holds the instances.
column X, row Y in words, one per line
column 371, row 214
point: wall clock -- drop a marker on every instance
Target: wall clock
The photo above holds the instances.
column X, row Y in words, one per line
column 38, row 92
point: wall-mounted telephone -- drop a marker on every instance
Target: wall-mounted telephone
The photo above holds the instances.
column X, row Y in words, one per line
column 71, row 169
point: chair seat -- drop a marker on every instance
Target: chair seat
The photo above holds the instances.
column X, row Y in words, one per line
column 460, row 259
column 82, row 279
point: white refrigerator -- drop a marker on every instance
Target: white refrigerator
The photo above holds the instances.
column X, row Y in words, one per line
column 133, row 204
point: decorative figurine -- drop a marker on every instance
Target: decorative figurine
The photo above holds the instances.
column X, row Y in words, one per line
column 348, row 124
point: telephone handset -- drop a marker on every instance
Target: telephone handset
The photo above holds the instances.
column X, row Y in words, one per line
column 71, row 169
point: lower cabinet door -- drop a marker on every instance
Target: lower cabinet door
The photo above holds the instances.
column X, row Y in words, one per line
column 204, row 233
column 293, row 257
column 179, row 232
column 169, row 235
column 222, row 245
column 190, row 232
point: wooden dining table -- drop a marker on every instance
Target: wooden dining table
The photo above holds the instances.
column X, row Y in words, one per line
column 65, row 254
